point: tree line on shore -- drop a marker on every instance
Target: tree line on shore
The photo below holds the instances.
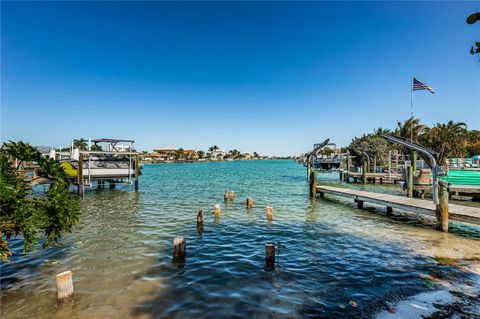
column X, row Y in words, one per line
column 448, row 140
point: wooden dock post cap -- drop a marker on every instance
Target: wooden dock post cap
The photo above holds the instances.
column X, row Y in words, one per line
column 64, row 285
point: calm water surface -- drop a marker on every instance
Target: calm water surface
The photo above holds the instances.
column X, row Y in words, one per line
column 332, row 255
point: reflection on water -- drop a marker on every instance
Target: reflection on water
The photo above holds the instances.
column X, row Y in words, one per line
column 331, row 253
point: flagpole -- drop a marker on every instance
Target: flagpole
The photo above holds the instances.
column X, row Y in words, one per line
column 411, row 112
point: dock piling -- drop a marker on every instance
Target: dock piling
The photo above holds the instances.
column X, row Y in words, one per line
column 442, row 206
column 225, row 196
column 249, row 202
column 269, row 212
column 179, row 249
column 64, row 286
column 409, row 181
column 270, row 256
column 80, row 175
column 200, row 217
column 231, row 195
column 364, row 172
column 216, row 210
column 313, row 183
column 137, row 170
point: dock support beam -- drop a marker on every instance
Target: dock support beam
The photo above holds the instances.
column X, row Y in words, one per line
column 137, row 170
column 410, row 181
column 313, row 183
column 80, row 175
column 442, row 207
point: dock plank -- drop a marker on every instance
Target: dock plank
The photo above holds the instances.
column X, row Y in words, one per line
column 466, row 214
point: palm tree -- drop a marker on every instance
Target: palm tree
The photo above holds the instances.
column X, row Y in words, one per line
column 201, row 154
column 80, row 143
column 448, row 140
column 411, row 128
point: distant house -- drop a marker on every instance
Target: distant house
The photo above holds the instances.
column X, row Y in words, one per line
column 217, row 154
column 166, row 153
column 247, row 156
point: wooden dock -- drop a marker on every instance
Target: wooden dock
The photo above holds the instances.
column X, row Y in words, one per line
column 461, row 213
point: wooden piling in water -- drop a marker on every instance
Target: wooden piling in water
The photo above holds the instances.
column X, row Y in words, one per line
column 137, row 170
column 216, row 210
column 231, row 195
column 364, row 172
column 80, row 175
column 225, row 196
column 64, row 286
column 179, row 249
column 313, row 183
column 200, row 217
column 249, row 202
column 442, row 206
column 269, row 255
column 409, row 181
column 269, row 212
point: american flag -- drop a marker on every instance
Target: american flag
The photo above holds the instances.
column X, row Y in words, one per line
column 417, row 85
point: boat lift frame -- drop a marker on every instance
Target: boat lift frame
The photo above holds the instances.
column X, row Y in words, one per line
column 427, row 152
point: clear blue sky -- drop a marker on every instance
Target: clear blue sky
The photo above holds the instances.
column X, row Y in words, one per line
column 267, row 77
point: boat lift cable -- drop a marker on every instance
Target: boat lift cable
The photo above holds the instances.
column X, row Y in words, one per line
column 428, row 152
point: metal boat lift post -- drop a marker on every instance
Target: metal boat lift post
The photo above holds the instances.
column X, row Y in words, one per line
column 310, row 156
column 428, row 152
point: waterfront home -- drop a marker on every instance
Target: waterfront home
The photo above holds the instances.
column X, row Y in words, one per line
column 166, row 153
column 217, row 154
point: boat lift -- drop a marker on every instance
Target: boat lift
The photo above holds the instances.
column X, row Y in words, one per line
column 427, row 152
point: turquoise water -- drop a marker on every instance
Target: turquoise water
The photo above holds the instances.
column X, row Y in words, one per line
column 334, row 260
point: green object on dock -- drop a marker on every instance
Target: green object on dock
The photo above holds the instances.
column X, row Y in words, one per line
column 462, row 177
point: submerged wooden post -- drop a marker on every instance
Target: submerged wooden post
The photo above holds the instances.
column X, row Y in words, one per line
column 249, row 202
column 216, row 210
column 80, row 175
column 137, row 170
column 225, row 196
column 179, row 249
column 231, row 195
column 364, row 172
column 64, row 286
column 442, row 206
column 269, row 212
column 270, row 256
column 313, row 183
column 409, row 181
